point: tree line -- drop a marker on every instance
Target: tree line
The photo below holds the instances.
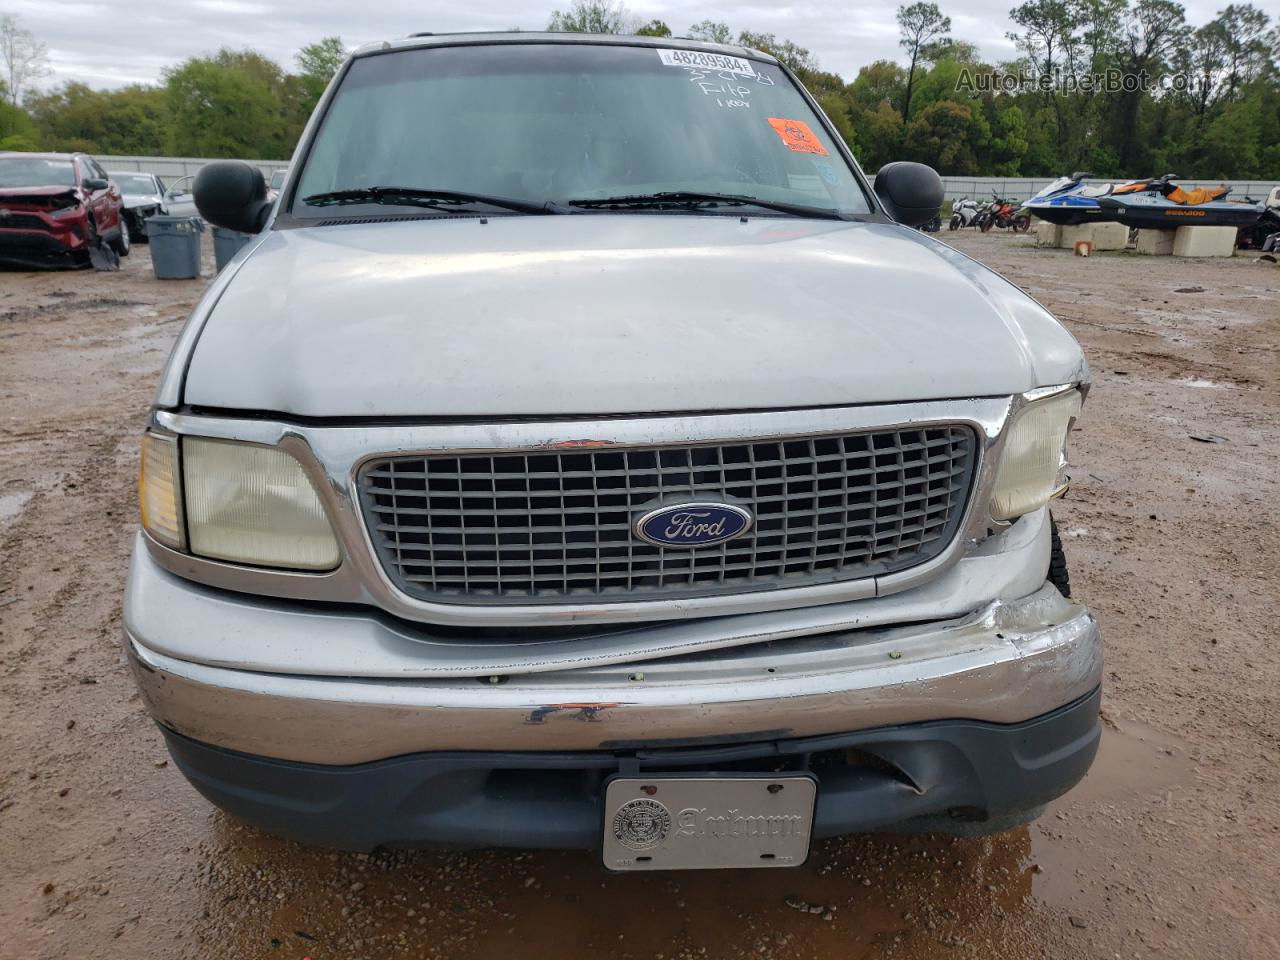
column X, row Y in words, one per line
column 1202, row 101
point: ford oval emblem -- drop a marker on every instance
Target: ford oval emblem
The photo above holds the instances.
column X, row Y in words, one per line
column 693, row 524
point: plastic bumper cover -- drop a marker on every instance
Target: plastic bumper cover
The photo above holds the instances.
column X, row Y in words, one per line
column 944, row 775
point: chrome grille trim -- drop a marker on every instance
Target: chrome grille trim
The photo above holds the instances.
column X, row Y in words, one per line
column 547, row 527
column 333, row 455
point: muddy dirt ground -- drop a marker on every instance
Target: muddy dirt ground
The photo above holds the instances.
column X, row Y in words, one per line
column 1170, row 848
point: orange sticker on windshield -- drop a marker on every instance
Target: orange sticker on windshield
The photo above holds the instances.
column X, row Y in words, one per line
column 797, row 136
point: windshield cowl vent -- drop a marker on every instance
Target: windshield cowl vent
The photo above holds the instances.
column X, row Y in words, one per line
column 337, row 221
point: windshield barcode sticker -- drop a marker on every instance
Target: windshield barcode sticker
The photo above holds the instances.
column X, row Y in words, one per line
column 708, row 61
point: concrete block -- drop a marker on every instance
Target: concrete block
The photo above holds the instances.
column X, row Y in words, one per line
column 1047, row 234
column 1155, row 243
column 1110, row 236
column 1068, row 236
column 1204, row 242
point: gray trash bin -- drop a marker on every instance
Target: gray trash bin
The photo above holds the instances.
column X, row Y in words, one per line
column 226, row 244
column 175, row 246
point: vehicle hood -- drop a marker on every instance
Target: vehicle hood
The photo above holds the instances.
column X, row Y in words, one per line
column 614, row 314
column 38, row 196
column 134, row 200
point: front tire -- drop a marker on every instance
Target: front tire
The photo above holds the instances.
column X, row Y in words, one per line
column 120, row 243
column 955, row 222
column 1058, row 573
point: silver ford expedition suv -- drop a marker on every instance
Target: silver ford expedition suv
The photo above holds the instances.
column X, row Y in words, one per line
column 585, row 454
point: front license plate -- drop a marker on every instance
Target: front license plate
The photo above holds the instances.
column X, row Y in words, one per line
column 698, row 823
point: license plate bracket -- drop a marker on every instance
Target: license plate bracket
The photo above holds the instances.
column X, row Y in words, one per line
column 708, row 821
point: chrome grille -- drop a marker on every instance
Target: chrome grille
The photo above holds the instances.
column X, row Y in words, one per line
column 540, row 527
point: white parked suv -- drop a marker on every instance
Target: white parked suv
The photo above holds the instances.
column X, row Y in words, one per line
column 585, row 454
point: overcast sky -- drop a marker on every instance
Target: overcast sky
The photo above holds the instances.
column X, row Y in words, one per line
column 111, row 44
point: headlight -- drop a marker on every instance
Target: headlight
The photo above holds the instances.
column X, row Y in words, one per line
column 1031, row 467
column 253, row 504
column 244, row 503
column 158, row 495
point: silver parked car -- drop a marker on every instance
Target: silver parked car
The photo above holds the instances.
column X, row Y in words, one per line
column 143, row 196
column 178, row 199
column 580, row 455
column 275, row 182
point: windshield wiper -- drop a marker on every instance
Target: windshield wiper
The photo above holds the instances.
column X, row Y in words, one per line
column 694, row 198
column 420, row 197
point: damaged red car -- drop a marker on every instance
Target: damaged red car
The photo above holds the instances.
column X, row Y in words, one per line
column 57, row 209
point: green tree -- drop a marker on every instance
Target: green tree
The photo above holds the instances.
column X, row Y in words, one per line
column 949, row 137
column 923, row 28
column 1009, row 145
column 591, row 16
column 879, row 82
column 796, row 57
column 654, row 28
column 1247, row 48
column 317, row 64
column 233, row 104
column 131, row 120
column 1050, row 34
column 711, row 31
column 1230, row 147
column 17, row 130
column 837, row 110
column 1150, row 32
column 880, row 135
column 1051, row 44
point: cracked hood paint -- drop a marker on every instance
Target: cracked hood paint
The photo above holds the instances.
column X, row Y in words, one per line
column 614, row 314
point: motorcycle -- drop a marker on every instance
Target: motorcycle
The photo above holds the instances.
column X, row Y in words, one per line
column 1004, row 213
column 963, row 213
column 1264, row 234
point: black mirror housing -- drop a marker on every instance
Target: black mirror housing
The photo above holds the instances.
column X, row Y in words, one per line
column 911, row 192
column 94, row 183
column 232, row 194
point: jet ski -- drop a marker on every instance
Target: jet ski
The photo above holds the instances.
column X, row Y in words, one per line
column 1069, row 201
column 1161, row 204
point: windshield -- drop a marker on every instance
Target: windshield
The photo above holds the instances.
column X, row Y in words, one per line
column 36, row 172
column 1055, row 186
column 134, row 183
column 561, row 122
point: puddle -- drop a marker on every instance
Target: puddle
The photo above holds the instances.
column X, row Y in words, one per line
column 1134, row 760
column 11, row 505
column 1080, row 841
column 1202, row 384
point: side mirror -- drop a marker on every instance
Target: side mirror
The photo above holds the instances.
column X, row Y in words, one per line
column 911, row 192
column 232, row 194
column 94, row 183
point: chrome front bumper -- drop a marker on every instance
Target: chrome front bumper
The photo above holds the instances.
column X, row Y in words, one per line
column 1008, row 662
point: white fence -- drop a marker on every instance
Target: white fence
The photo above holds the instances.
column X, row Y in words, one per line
column 175, row 168
column 979, row 188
